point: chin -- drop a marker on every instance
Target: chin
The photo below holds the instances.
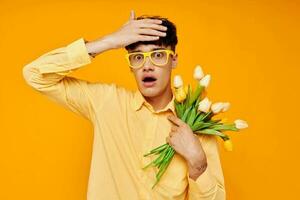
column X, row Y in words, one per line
column 149, row 93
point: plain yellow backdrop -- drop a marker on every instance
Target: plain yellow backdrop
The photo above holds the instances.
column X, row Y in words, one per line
column 251, row 49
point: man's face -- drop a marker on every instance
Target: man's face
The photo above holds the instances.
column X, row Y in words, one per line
column 153, row 80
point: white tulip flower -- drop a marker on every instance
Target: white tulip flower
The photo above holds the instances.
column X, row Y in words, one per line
column 198, row 73
column 178, row 81
column 204, row 105
column 240, row 124
column 205, row 81
column 217, row 107
column 226, row 106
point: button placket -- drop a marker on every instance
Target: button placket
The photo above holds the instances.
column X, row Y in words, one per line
column 149, row 137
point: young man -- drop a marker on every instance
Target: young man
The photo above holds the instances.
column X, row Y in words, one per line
column 127, row 124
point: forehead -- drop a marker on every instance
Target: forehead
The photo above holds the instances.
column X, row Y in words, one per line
column 147, row 47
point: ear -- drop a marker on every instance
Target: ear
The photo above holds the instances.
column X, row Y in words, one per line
column 174, row 61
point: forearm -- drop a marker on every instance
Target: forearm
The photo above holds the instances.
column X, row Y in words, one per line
column 196, row 168
column 205, row 175
column 50, row 68
column 100, row 45
column 48, row 75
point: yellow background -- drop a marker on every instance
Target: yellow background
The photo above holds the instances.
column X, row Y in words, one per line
column 251, row 49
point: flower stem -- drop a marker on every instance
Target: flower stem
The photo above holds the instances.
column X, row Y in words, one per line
column 157, row 159
column 165, row 164
column 156, row 149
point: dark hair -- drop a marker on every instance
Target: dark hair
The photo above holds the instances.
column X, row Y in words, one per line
column 169, row 40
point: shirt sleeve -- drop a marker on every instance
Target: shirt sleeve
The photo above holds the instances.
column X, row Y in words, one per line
column 48, row 75
column 210, row 184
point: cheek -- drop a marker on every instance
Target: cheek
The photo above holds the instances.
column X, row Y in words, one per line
column 137, row 76
column 165, row 78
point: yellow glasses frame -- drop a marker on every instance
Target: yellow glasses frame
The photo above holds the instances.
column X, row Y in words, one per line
column 148, row 54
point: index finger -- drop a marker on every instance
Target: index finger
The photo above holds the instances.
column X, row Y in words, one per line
column 132, row 15
column 175, row 120
column 151, row 21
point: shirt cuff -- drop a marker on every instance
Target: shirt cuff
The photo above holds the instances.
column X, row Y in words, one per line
column 203, row 184
column 77, row 56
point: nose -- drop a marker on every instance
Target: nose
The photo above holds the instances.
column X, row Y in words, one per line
column 148, row 65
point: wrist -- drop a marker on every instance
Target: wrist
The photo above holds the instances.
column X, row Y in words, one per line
column 196, row 169
column 108, row 42
column 196, row 161
column 195, row 156
column 98, row 46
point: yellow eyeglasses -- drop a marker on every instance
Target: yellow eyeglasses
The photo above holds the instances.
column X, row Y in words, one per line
column 157, row 57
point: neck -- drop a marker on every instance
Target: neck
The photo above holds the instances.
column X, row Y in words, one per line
column 162, row 100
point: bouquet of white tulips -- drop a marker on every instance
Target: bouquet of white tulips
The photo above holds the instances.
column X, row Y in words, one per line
column 198, row 112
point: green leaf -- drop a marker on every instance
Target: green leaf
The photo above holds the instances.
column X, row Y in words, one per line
column 208, row 116
column 186, row 102
column 191, row 117
column 205, row 116
column 215, row 121
column 177, row 108
column 186, row 113
column 225, row 127
column 198, row 101
column 182, row 109
column 196, row 94
column 197, row 125
column 212, row 132
column 199, row 117
column 196, row 116
column 206, row 125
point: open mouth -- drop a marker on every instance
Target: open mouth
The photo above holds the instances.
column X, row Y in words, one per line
column 149, row 81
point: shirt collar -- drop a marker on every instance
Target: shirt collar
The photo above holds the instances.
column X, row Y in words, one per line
column 139, row 101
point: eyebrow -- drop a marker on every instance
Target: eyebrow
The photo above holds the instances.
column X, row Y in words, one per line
column 157, row 48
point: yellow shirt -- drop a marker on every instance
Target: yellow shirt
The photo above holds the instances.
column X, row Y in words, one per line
column 125, row 127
